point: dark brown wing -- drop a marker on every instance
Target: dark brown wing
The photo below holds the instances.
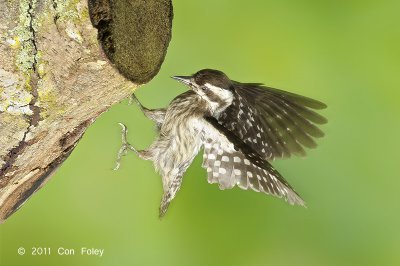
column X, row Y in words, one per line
column 273, row 122
column 230, row 162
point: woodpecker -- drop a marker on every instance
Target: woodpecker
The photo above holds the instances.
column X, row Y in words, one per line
column 239, row 126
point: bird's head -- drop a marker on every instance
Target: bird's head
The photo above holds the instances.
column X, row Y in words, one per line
column 211, row 85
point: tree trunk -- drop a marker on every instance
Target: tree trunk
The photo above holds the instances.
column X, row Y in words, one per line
column 55, row 80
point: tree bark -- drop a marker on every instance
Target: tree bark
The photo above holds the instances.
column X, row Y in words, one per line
column 55, row 80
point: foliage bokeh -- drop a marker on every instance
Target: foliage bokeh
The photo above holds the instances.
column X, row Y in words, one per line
column 345, row 53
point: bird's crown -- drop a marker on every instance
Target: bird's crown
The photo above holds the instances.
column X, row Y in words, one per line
column 213, row 77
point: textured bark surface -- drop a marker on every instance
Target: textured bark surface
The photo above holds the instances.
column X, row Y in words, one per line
column 54, row 82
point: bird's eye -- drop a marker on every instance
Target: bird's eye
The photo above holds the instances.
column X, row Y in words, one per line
column 204, row 88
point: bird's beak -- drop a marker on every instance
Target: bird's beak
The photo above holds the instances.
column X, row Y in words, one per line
column 184, row 79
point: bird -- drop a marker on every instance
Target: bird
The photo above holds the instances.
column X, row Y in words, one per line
column 241, row 128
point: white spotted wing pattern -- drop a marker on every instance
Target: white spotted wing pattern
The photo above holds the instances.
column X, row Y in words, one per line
column 229, row 162
column 274, row 123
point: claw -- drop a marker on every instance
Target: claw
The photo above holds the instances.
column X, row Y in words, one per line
column 133, row 98
column 124, row 148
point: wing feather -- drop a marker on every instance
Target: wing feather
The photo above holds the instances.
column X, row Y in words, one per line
column 229, row 162
column 275, row 123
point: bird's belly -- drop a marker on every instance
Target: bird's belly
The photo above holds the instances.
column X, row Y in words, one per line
column 175, row 152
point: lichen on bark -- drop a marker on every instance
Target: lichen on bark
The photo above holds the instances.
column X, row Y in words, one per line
column 54, row 82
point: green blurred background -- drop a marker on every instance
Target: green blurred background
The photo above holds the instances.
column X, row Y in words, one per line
column 344, row 53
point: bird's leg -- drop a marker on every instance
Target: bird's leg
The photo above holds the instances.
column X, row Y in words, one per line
column 144, row 154
column 157, row 115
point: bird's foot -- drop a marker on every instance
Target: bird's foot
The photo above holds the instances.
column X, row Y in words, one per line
column 124, row 148
column 133, row 98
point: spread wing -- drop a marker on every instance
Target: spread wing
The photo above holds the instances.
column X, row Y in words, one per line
column 273, row 122
column 229, row 162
